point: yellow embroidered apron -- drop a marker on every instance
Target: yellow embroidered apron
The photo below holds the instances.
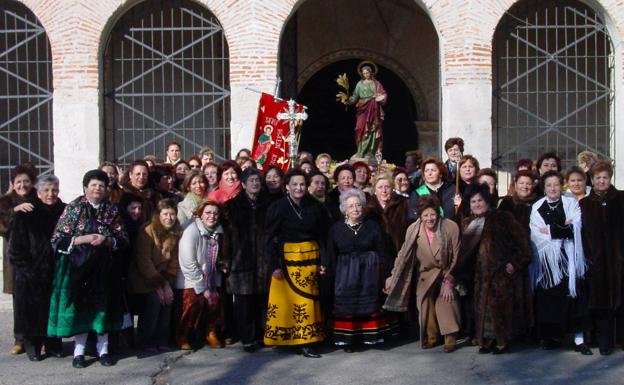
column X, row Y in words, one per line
column 294, row 312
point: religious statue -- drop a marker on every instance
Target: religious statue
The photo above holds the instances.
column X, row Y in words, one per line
column 369, row 98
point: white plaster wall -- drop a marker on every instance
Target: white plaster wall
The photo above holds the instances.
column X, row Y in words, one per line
column 467, row 112
column 76, row 138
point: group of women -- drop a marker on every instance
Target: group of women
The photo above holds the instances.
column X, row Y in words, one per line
column 275, row 259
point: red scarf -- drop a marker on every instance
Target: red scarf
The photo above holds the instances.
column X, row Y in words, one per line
column 224, row 192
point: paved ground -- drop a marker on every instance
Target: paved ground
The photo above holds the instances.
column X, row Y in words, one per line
column 388, row 365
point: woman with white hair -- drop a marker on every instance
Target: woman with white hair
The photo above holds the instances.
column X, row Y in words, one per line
column 356, row 263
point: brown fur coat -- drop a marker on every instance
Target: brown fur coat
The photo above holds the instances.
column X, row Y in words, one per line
column 155, row 259
column 500, row 299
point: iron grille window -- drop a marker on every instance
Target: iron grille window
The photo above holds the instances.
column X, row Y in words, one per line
column 166, row 79
column 25, row 92
column 553, row 86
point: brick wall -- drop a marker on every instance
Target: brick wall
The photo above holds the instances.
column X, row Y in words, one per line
column 78, row 30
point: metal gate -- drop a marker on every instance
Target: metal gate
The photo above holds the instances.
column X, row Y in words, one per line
column 25, row 92
column 553, row 86
column 166, row 79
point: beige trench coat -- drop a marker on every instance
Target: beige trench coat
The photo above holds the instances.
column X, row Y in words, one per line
column 430, row 276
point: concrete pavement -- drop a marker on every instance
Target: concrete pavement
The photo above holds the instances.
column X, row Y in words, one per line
column 394, row 363
column 391, row 364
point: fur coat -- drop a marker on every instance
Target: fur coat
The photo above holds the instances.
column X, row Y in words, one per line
column 155, row 259
column 7, row 203
column 393, row 220
column 32, row 257
column 247, row 264
column 603, row 230
column 498, row 296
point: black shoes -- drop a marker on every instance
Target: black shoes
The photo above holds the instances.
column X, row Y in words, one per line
column 308, row 352
column 583, row 349
column 35, row 357
column 550, row 344
column 348, row 349
column 79, row 362
column 106, row 360
column 606, row 352
column 250, row 348
column 485, row 349
column 497, row 350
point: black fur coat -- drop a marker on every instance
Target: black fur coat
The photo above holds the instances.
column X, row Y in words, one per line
column 32, row 257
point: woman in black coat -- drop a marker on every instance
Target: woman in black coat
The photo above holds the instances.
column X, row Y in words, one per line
column 247, row 265
column 20, row 198
column 32, row 257
column 602, row 212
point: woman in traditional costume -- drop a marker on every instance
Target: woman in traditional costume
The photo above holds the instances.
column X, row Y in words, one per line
column 356, row 263
column 294, row 235
column 390, row 209
column 431, row 247
column 88, row 233
column 32, row 257
column 369, row 98
column 558, row 269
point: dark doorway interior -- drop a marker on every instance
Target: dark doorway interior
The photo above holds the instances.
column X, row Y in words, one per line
column 329, row 127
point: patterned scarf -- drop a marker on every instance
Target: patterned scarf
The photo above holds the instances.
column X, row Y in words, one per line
column 212, row 252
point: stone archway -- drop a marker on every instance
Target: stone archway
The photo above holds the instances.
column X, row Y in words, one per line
column 553, row 83
column 166, row 78
column 330, row 125
column 396, row 34
column 26, row 90
column 416, row 91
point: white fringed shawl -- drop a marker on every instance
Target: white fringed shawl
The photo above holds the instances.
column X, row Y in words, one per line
column 549, row 263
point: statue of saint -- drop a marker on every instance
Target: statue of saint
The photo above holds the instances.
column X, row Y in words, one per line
column 369, row 98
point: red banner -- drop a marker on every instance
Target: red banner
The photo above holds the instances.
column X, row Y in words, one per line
column 270, row 146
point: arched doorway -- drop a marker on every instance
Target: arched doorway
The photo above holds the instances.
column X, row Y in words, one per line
column 166, row 79
column 553, row 83
column 25, row 90
column 330, row 126
column 329, row 37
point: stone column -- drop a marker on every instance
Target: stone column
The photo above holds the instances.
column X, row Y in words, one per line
column 467, row 113
column 77, row 139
